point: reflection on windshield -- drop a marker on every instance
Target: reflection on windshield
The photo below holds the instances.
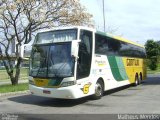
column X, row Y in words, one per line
column 52, row 60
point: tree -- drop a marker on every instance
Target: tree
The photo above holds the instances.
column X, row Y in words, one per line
column 0, row 51
column 20, row 19
column 152, row 50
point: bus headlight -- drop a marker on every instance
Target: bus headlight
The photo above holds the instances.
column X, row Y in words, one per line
column 68, row 83
column 31, row 82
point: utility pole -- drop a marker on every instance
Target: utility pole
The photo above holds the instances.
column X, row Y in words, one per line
column 104, row 21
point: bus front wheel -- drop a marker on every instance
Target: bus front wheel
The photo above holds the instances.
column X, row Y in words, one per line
column 99, row 89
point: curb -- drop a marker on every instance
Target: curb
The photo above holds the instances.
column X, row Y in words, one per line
column 14, row 93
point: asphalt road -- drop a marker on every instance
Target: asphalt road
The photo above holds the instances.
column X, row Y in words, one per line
column 143, row 99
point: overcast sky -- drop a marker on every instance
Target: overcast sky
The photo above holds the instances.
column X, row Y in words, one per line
column 137, row 20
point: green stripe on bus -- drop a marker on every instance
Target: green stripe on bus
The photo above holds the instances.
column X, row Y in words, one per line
column 121, row 67
column 114, row 68
column 117, row 68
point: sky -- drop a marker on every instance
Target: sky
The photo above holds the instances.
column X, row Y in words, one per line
column 136, row 20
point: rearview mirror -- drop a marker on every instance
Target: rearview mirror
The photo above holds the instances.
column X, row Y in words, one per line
column 25, row 50
column 74, row 48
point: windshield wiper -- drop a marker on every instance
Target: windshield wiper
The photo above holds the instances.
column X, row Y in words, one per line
column 42, row 66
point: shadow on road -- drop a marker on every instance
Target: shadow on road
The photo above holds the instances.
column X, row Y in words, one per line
column 52, row 102
column 49, row 102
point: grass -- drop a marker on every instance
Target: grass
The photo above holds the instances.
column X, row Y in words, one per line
column 11, row 88
column 153, row 71
column 23, row 74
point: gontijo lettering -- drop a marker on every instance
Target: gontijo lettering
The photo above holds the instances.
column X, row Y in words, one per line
column 132, row 62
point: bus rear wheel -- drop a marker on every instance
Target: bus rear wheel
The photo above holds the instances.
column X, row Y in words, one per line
column 99, row 90
column 141, row 78
column 137, row 81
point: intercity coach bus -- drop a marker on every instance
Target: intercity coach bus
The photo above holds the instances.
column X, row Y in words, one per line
column 74, row 62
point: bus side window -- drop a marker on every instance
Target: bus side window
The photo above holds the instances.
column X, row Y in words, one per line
column 85, row 54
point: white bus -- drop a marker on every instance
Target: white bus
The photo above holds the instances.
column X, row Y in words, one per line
column 74, row 62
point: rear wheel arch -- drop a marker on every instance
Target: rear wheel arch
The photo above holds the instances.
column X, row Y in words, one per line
column 136, row 74
column 141, row 76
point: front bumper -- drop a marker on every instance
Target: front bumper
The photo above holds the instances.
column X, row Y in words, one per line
column 71, row 92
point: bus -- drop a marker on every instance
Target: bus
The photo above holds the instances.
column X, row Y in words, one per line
column 75, row 62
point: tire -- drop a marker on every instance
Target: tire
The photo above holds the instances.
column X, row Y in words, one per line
column 140, row 80
column 137, row 81
column 99, row 90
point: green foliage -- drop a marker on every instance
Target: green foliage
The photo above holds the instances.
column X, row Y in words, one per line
column 153, row 52
column 149, row 71
column 153, row 63
column 152, row 48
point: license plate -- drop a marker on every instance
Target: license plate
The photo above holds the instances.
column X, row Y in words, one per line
column 46, row 92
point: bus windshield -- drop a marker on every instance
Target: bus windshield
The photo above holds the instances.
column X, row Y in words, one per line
column 52, row 60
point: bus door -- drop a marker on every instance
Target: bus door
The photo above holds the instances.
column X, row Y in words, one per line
column 85, row 54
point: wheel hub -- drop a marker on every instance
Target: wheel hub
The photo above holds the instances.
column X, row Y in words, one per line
column 98, row 89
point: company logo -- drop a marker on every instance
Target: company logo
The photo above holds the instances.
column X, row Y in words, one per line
column 86, row 88
column 100, row 63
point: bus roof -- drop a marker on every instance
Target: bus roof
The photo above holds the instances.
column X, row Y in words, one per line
column 65, row 28
column 119, row 38
column 94, row 30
